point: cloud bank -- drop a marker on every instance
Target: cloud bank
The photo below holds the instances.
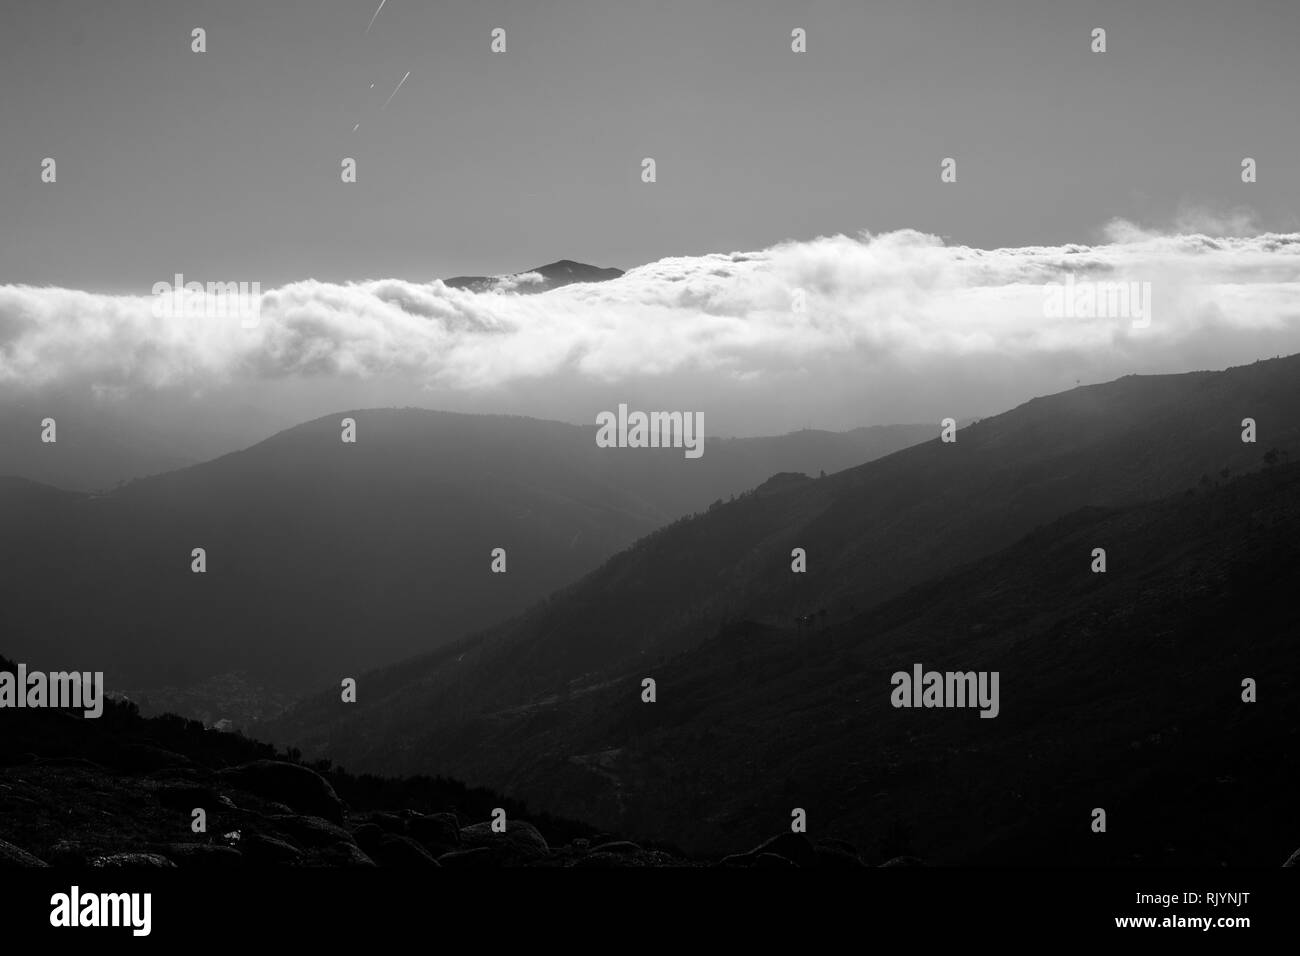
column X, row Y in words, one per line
column 893, row 306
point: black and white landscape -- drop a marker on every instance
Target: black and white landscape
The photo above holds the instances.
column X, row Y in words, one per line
column 905, row 470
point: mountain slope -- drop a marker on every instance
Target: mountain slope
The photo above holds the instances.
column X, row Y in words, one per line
column 484, row 707
column 325, row 559
column 1119, row 690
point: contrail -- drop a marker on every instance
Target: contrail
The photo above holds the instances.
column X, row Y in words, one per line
column 394, row 93
column 372, row 19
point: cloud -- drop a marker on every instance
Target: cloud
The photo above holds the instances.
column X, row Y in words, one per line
column 891, row 303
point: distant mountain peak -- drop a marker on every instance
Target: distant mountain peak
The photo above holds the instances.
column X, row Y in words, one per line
column 562, row 272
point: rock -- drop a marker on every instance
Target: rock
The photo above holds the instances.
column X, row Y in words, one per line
column 520, row 842
column 438, row 832
column 310, row 832
column 388, row 822
column 369, row 837
column 618, row 846
column 11, row 855
column 603, row 861
column 302, row 789
column 143, row 758
column 153, row 861
column 829, row 857
column 70, row 853
column 192, row 775
column 401, row 851
column 188, row 798
column 1293, row 859
column 201, row 855
column 736, row 860
column 267, row 850
column 904, row 861
column 340, row 854
column 795, row 847
column 843, row 845
column 774, row 861
column 478, row 858
column 76, row 763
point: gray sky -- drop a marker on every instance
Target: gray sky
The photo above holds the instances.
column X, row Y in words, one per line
column 226, row 163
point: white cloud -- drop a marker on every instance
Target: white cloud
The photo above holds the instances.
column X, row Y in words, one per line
column 894, row 305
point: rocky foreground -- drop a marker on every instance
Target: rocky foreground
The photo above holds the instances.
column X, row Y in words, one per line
column 74, row 812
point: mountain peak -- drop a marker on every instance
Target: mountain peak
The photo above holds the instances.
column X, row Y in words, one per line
column 562, row 272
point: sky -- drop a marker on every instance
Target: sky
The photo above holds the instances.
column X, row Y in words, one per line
column 228, row 162
column 777, row 173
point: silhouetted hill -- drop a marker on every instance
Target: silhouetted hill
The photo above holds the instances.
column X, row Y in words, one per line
column 750, row 703
column 325, row 559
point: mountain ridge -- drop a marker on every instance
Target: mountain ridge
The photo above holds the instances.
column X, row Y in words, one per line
column 311, row 542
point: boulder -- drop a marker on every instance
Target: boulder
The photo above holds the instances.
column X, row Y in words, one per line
column 478, row 858
column 339, row 855
column 388, row 822
column 70, row 853
column 303, row 789
column 369, row 836
column 144, row 758
column 828, row 857
column 74, row 763
column 521, row 841
column 603, row 861
column 11, row 855
column 150, row 861
column 618, row 846
column 269, row 851
column 187, row 798
column 795, row 847
column 438, row 832
column 310, row 832
column 206, row 856
column 401, row 851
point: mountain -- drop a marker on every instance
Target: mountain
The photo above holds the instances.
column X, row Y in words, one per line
column 970, row 555
column 542, row 279
column 326, row 559
column 95, row 449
